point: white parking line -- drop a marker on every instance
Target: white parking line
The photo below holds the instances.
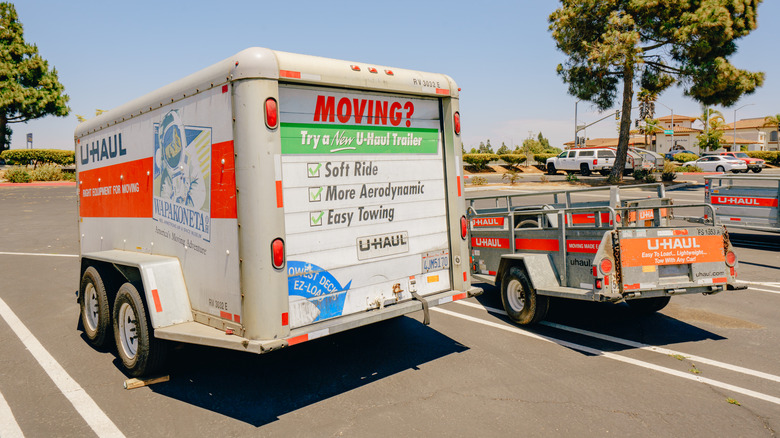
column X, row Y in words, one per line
column 764, row 290
column 639, row 345
column 597, row 352
column 38, row 254
column 86, row 407
column 9, row 428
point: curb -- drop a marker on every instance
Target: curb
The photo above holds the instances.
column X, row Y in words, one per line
column 39, row 183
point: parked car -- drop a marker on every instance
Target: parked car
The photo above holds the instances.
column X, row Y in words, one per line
column 754, row 164
column 719, row 163
column 670, row 155
column 589, row 160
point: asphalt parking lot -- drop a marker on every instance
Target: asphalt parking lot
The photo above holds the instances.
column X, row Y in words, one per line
column 703, row 366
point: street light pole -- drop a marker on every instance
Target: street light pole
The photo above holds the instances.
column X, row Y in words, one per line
column 576, row 131
column 734, row 145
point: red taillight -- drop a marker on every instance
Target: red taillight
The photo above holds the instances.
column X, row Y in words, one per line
column 606, row 266
column 277, row 253
column 464, row 227
column 595, row 161
column 456, row 122
column 598, row 284
column 731, row 258
column 271, row 113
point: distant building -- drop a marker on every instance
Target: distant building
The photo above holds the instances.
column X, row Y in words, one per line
column 756, row 133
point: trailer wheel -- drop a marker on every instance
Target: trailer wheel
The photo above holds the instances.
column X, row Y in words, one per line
column 95, row 315
column 522, row 304
column 140, row 353
column 551, row 170
column 648, row 305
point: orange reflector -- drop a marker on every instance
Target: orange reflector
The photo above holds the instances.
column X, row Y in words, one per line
column 606, row 266
column 277, row 253
column 285, row 318
column 271, row 113
column 456, row 122
column 731, row 258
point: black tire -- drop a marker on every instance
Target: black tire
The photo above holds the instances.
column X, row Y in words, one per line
column 551, row 169
column 648, row 305
column 140, row 352
column 720, row 169
column 604, row 172
column 756, row 170
column 584, row 170
column 95, row 313
column 528, row 223
column 737, row 171
column 522, row 304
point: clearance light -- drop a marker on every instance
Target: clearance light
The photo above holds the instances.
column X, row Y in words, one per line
column 731, row 258
column 606, row 266
column 464, row 227
column 371, row 70
column 277, row 253
column 354, row 67
column 271, row 113
column 456, row 122
column 389, row 72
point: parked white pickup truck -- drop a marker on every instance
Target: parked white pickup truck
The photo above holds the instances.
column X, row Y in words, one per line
column 589, row 160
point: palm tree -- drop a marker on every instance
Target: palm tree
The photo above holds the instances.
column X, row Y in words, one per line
column 710, row 116
column 649, row 128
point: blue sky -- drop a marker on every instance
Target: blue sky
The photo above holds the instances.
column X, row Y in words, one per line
column 500, row 53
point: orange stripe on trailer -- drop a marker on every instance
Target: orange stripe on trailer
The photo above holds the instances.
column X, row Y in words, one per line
column 459, row 193
column 443, row 91
column 225, row 315
column 537, row 244
column 459, row 296
column 157, row 303
column 279, row 197
column 298, row 339
column 120, row 190
column 720, row 280
column 289, row 74
column 631, row 286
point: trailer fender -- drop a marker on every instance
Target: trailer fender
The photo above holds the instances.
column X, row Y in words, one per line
column 164, row 290
column 539, row 268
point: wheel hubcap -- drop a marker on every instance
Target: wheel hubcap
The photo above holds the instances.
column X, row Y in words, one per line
column 91, row 308
column 515, row 295
column 128, row 335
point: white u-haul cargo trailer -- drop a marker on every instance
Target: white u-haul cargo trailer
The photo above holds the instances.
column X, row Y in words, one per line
column 269, row 199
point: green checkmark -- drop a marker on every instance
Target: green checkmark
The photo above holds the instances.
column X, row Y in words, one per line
column 314, row 194
column 314, row 169
column 315, row 218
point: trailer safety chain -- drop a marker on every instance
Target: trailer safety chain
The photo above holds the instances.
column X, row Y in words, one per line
column 426, row 314
column 725, row 240
column 616, row 254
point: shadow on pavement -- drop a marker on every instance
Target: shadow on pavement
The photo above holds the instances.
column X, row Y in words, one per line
column 258, row 389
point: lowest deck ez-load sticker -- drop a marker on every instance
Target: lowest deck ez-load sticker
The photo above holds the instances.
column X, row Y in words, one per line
column 182, row 167
column 315, row 294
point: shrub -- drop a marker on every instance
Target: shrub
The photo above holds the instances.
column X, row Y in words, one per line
column 684, row 158
column 479, row 161
column 640, row 174
column 47, row 172
column 478, row 181
column 513, row 176
column 38, row 156
column 768, row 156
column 669, row 172
column 512, row 159
column 18, row 175
column 542, row 158
column 572, row 177
column 689, row 168
column 650, row 178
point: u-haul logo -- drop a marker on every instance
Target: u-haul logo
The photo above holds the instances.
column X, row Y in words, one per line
column 743, row 201
column 672, row 243
column 489, row 242
column 381, row 245
column 104, row 148
column 488, row 222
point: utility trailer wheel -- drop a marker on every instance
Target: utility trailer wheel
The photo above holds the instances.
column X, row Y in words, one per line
column 648, row 305
column 522, row 304
column 551, row 170
column 140, row 353
column 95, row 315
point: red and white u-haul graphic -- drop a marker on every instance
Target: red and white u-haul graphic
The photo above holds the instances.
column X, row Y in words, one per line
column 743, row 201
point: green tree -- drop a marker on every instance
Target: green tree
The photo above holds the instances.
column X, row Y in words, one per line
column 485, row 148
column 710, row 116
column 543, row 141
column 504, row 149
column 28, row 88
column 532, row 145
column 656, row 43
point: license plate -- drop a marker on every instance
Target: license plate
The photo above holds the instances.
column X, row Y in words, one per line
column 435, row 261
